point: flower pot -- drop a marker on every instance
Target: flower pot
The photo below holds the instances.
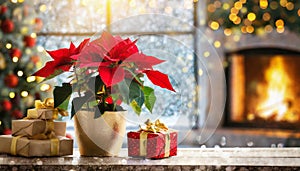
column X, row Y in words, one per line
column 102, row 136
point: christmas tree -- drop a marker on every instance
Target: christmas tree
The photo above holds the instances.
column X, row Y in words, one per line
column 18, row 60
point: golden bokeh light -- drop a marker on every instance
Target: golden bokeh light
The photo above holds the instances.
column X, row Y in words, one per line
column 266, row 16
column 280, row 30
column 45, row 87
column 237, row 21
column 33, row 35
column 236, row 38
column 289, row 6
column 217, row 4
column 8, row 45
column 247, row 22
column 31, row 79
column 211, row 8
column 20, row 73
column 243, row 29
column 24, row 93
column 250, row 29
column 251, row 16
column 233, row 17
column 283, row 3
column 15, row 59
column 263, row 4
column 214, row 25
column 43, row 8
column 226, row 6
column 244, row 10
column 234, row 11
column 200, row 72
column 279, row 23
column 217, row 44
column 12, row 95
column 238, row 5
column 227, row 32
column 206, row 54
column 243, row 1
column 268, row 28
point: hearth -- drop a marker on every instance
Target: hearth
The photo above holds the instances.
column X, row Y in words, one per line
column 263, row 88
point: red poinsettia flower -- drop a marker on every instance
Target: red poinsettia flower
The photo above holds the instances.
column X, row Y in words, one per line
column 63, row 60
column 111, row 54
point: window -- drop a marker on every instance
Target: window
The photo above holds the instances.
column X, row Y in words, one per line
column 168, row 29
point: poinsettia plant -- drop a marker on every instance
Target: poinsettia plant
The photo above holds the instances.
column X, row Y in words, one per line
column 105, row 72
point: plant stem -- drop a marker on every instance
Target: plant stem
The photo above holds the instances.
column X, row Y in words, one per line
column 137, row 79
column 77, row 78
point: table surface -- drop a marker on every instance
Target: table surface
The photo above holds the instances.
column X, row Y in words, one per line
column 216, row 157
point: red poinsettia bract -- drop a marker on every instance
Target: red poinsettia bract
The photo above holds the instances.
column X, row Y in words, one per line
column 62, row 60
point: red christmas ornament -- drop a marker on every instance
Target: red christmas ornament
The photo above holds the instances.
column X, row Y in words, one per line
column 29, row 41
column 3, row 9
column 15, row 52
column 38, row 24
column 11, row 80
column 17, row 114
column 68, row 135
column 119, row 102
column 7, row 131
column 7, row 26
column 6, row 105
column 109, row 100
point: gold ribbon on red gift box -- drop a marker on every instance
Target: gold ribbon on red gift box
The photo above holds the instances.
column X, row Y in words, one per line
column 156, row 127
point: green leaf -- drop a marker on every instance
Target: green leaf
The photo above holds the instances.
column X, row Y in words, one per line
column 136, row 108
column 150, row 98
column 136, row 93
column 65, row 104
column 78, row 102
column 124, row 91
column 95, row 83
column 62, row 94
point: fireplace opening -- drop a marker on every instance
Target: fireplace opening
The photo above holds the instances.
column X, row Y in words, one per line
column 263, row 89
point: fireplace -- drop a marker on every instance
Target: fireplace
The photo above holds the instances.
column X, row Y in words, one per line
column 263, row 88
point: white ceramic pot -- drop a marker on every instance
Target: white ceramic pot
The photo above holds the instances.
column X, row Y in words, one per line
column 102, row 136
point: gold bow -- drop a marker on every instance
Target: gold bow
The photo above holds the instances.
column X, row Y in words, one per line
column 48, row 103
column 156, row 127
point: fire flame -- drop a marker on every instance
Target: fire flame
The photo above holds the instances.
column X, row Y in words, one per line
column 277, row 102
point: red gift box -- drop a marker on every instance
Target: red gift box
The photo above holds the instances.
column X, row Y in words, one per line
column 152, row 145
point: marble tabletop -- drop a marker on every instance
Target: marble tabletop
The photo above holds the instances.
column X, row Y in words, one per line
column 187, row 159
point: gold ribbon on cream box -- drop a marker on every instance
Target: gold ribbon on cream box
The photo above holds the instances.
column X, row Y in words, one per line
column 23, row 146
column 45, row 110
column 38, row 129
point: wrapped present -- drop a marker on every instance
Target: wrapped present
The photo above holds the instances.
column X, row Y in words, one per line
column 153, row 141
column 23, row 146
column 45, row 110
column 38, row 129
column 40, row 113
